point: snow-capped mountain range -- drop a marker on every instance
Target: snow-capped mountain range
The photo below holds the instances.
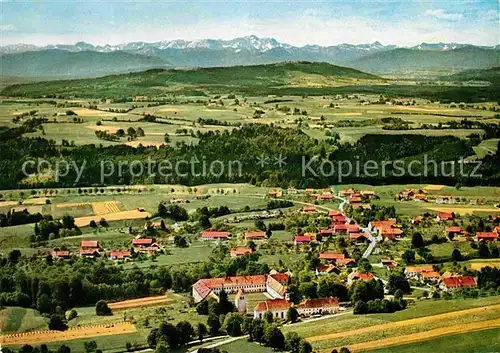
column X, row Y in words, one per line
column 83, row 59
column 249, row 43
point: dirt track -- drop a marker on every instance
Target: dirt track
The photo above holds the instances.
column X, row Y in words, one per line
column 392, row 325
column 423, row 336
column 39, row 337
column 141, row 302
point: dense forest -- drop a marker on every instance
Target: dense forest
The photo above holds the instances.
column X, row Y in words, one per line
column 309, row 162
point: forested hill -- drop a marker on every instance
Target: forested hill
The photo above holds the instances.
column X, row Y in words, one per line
column 246, row 145
column 235, row 78
column 490, row 75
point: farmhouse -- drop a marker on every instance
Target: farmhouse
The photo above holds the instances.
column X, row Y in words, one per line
column 327, row 269
column 60, row 254
column 486, row 236
column 339, row 219
column 213, row 235
column 334, row 213
column 346, row 193
column 445, row 216
column 390, row 264
column 309, row 209
column 355, row 199
column 347, row 262
column 359, row 237
column 275, row 194
column 356, row 276
column 445, row 199
column 89, row 253
column 302, row 239
column 416, row 271
column 331, row 256
column 387, row 229
column 340, row 228
column 240, row 252
column 324, row 196
column 431, row 276
column 457, row 282
column 452, row 231
column 273, row 284
column 420, row 197
column 255, row 235
column 353, row 228
column 327, row 232
column 142, row 243
column 119, row 254
column 89, row 245
column 367, row 193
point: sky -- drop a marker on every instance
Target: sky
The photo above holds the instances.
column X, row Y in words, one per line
column 324, row 22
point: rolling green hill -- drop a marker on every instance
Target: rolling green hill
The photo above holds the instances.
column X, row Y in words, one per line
column 195, row 81
column 64, row 64
column 491, row 75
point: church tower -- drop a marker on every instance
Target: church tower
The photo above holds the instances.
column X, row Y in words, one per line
column 240, row 302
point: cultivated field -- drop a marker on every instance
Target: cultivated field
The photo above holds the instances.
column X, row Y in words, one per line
column 117, row 216
column 141, row 302
column 39, row 337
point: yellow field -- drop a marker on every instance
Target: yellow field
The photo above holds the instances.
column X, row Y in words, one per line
column 136, row 143
column 39, row 337
column 477, row 266
column 463, row 210
column 141, row 302
column 40, row 201
column 110, row 129
column 433, row 187
column 403, row 323
column 71, row 204
column 92, row 112
column 105, row 207
column 8, row 203
column 422, row 336
column 117, row 216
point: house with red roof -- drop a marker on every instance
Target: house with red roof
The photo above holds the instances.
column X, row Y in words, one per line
column 390, row 264
column 119, row 255
column 326, row 232
column 345, row 193
column 416, row 271
column 431, row 276
column 453, row 231
column 457, row 282
column 486, row 236
column 302, row 239
column 255, row 236
column 275, row 194
column 327, row 269
column 240, row 252
column 142, row 242
column 89, row 253
column 278, row 307
column 355, row 199
column 420, row 197
column 347, row 262
column 329, row 256
column 60, row 254
column 445, row 216
column 273, row 284
column 324, row 196
column 335, row 213
column 359, row 238
column 339, row 219
column 89, row 245
column 353, row 228
column 340, row 228
column 315, row 306
column 309, row 209
column 367, row 193
column 215, row 235
column 357, row 276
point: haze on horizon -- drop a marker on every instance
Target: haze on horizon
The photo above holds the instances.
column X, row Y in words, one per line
column 403, row 23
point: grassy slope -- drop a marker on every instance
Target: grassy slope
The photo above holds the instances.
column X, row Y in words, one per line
column 473, row 342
